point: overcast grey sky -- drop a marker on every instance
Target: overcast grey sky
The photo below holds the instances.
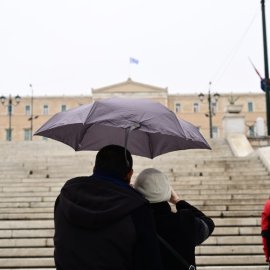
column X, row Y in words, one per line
column 70, row 46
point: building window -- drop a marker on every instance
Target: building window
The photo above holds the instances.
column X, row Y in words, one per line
column 9, row 110
column 177, row 107
column 215, row 132
column 214, row 108
column 251, row 131
column 27, row 110
column 27, row 134
column 195, row 107
column 250, row 106
column 45, row 109
column 8, row 134
column 63, row 108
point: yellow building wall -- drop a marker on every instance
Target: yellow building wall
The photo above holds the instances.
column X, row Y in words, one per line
column 202, row 122
column 20, row 120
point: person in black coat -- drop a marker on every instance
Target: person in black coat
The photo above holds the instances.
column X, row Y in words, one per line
column 184, row 229
column 102, row 223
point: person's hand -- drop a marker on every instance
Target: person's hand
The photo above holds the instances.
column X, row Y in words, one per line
column 174, row 197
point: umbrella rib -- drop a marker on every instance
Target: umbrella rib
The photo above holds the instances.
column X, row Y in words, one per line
column 84, row 129
column 92, row 108
column 150, row 146
column 179, row 124
column 81, row 137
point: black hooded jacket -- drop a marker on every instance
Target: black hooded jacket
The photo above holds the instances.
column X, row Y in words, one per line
column 102, row 223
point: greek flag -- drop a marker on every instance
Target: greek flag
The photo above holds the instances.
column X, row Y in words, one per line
column 133, row 61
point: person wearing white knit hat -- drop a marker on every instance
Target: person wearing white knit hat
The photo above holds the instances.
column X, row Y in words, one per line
column 182, row 230
column 154, row 185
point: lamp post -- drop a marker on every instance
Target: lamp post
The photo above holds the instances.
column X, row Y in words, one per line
column 9, row 106
column 265, row 83
column 32, row 117
column 211, row 111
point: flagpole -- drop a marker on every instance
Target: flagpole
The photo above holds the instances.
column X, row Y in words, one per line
column 32, row 111
column 265, row 83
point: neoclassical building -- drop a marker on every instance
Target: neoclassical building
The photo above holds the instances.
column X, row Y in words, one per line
column 32, row 112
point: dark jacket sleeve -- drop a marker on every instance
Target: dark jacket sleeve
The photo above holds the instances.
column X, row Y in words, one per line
column 204, row 225
column 147, row 254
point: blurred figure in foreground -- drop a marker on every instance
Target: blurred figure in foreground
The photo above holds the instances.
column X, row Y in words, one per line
column 266, row 230
column 182, row 230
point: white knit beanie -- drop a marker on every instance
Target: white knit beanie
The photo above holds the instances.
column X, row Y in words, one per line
column 154, row 185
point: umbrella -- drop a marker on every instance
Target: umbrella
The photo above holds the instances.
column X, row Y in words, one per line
column 145, row 127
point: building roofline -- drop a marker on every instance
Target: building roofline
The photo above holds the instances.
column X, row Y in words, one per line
column 129, row 80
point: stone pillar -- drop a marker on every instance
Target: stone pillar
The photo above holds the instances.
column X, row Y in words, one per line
column 260, row 127
column 235, row 131
column 233, row 121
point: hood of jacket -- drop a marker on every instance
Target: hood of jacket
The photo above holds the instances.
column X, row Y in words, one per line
column 95, row 203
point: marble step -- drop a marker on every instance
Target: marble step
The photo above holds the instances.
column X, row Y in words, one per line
column 230, row 260
column 234, row 267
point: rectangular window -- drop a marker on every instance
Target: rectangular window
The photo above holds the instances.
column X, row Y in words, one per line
column 45, row 109
column 215, row 132
column 177, row 107
column 8, row 134
column 63, row 108
column 251, row 131
column 9, row 110
column 27, row 110
column 27, row 134
column 214, row 108
column 250, row 106
column 195, row 107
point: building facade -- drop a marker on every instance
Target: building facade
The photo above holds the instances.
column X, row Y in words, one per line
column 19, row 121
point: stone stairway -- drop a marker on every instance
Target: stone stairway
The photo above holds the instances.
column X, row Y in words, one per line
column 231, row 190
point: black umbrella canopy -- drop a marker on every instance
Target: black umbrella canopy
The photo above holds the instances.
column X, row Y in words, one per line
column 149, row 128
